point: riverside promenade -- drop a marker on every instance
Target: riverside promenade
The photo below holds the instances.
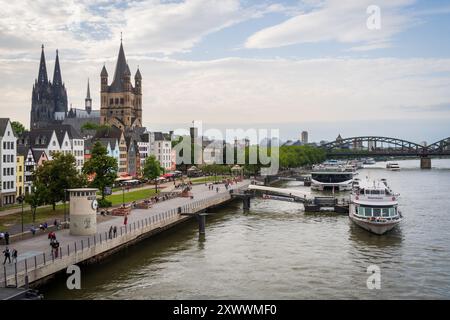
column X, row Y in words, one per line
column 36, row 261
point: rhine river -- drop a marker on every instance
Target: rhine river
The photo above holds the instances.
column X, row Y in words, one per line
column 276, row 251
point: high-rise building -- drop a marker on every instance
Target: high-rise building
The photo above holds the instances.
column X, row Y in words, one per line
column 304, row 137
column 121, row 103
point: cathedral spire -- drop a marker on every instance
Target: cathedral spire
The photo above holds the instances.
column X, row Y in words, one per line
column 88, row 94
column 42, row 77
column 121, row 67
column 88, row 100
column 57, row 80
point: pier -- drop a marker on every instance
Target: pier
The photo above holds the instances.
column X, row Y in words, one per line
column 36, row 261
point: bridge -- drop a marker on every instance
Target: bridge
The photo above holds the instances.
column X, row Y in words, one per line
column 379, row 146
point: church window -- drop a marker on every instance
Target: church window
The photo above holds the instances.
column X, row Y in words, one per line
column 121, row 100
column 111, row 101
column 117, row 100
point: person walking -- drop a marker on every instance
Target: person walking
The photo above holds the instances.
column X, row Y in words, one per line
column 14, row 255
column 110, row 232
column 7, row 255
column 125, row 220
column 115, row 231
column 7, row 238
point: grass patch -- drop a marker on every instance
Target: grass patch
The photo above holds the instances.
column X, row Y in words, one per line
column 42, row 215
column 131, row 196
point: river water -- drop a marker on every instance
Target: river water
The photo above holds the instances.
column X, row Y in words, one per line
column 276, row 251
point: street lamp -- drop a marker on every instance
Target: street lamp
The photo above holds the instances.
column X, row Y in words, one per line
column 21, row 200
column 123, row 196
column 65, row 199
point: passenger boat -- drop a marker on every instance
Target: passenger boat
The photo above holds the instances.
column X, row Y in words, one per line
column 374, row 207
column 393, row 166
column 336, row 178
column 369, row 161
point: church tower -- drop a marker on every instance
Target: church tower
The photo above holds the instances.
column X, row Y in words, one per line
column 48, row 100
column 42, row 104
column 121, row 103
column 88, row 100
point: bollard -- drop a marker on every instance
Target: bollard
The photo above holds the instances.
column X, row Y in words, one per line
column 35, row 262
column 43, row 255
column 60, row 253
column 95, row 240
column 100, row 238
column 15, row 274
column 68, row 250
column 82, row 245
column 26, row 266
column 120, row 231
column 89, row 242
column 75, row 244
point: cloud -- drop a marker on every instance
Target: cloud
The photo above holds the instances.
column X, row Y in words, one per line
column 340, row 21
column 91, row 28
column 242, row 91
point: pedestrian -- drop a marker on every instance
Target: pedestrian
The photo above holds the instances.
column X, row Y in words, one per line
column 110, row 232
column 14, row 255
column 125, row 220
column 56, row 248
column 33, row 230
column 7, row 255
column 7, row 238
column 55, row 223
column 115, row 231
column 217, row 190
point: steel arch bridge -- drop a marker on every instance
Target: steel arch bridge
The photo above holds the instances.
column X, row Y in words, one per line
column 384, row 146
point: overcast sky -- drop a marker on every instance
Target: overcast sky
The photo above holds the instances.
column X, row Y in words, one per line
column 290, row 64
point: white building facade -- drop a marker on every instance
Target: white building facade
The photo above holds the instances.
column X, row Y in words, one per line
column 8, row 160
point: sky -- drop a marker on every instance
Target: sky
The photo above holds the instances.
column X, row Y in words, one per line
column 326, row 66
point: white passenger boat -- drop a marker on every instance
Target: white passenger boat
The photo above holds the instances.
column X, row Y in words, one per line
column 369, row 161
column 337, row 178
column 393, row 166
column 374, row 207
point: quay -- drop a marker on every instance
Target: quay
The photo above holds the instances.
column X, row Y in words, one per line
column 36, row 263
column 311, row 204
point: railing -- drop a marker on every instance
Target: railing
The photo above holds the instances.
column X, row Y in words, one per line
column 14, row 274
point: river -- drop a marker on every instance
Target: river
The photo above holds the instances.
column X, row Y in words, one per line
column 276, row 251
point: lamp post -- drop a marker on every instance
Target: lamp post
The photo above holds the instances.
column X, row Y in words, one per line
column 123, row 196
column 21, row 200
column 65, row 199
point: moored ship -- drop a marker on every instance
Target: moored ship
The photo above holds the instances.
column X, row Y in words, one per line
column 374, row 207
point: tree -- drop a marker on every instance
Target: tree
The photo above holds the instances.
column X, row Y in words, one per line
column 152, row 170
column 94, row 126
column 55, row 176
column 18, row 128
column 103, row 167
column 35, row 199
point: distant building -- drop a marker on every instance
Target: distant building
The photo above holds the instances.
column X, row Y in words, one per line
column 161, row 148
column 121, row 102
column 304, row 137
column 49, row 101
column 55, row 138
column 32, row 160
column 20, row 164
column 8, row 163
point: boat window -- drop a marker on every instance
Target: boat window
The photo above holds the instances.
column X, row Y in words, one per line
column 392, row 212
column 376, row 212
column 385, row 212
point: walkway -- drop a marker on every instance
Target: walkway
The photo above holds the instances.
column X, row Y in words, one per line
column 36, row 251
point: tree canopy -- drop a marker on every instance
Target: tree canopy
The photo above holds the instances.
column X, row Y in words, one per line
column 18, row 128
column 152, row 169
column 52, row 178
column 102, row 167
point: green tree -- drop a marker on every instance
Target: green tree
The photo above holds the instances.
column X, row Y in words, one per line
column 93, row 126
column 55, row 176
column 18, row 128
column 152, row 170
column 103, row 167
column 36, row 199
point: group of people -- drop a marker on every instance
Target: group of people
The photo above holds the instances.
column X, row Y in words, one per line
column 112, row 232
column 8, row 254
column 54, row 244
